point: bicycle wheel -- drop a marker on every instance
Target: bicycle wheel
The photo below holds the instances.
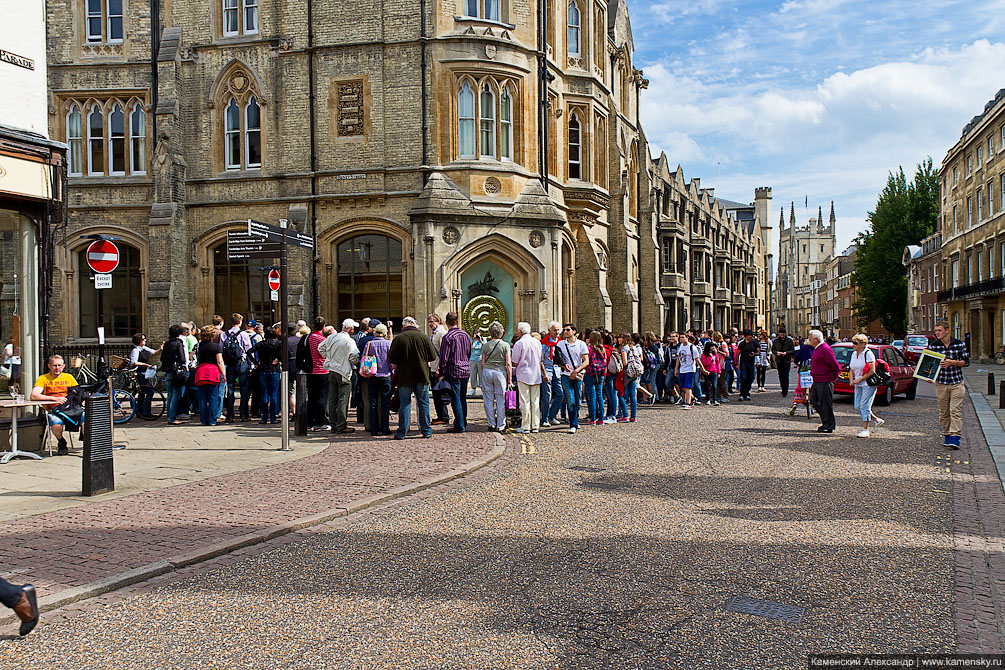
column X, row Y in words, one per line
column 158, row 404
column 123, row 406
column 120, row 380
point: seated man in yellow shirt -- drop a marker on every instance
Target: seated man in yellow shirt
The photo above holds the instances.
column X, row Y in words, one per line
column 53, row 386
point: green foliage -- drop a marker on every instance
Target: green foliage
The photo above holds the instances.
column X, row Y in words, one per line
column 906, row 212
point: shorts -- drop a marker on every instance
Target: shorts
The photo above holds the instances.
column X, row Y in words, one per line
column 54, row 420
column 686, row 380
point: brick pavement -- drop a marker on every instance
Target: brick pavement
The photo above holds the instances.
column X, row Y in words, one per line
column 68, row 548
column 979, row 541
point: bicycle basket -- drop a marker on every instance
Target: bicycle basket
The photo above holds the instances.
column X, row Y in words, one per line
column 117, row 362
column 75, row 361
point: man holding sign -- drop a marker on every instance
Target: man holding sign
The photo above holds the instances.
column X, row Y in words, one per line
column 949, row 390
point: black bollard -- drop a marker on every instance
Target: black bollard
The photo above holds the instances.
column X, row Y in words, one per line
column 1001, row 395
column 991, row 383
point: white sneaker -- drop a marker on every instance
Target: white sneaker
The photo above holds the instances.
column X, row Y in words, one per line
column 863, row 433
column 533, row 430
column 546, row 425
column 879, row 421
column 687, row 406
column 519, row 431
column 609, row 420
column 572, row 429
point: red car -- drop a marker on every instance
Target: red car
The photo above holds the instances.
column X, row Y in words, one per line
column 913, row 346
column 902, row 379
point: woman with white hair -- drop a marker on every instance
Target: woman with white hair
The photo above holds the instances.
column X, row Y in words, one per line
column 527, row 368
column 496, row 377
column 863, row 365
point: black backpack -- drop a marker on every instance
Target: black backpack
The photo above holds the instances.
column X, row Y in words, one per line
column 232, row 352
column 72, row 411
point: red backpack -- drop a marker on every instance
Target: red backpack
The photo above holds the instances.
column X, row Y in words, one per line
column 598, row 363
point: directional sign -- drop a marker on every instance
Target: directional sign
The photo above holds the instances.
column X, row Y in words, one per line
column 241, row 246
column 102, row 256
column 274, row 280
column 277, row 234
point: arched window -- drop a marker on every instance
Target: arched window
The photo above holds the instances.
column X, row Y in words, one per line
column 466, row 122
column 240, row 287
column 633, row 184
column 506, row 125
column 253, row 134
column 575, row 147
column 75, row 141
column 116, row 141
column 95, row 141
column 599, row 41
column 369, row 278
column 487, row 115
column 138, row 140
column 600, row 151
column 123, row 306
column 233, row 135
column 574, row 25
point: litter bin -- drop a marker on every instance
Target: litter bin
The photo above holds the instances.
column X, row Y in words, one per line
column 98, row 474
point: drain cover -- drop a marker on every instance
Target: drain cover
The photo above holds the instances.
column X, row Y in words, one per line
column 780, row 611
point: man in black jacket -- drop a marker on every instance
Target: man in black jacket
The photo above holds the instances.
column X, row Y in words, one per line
column 748, row 351
column 782, row 348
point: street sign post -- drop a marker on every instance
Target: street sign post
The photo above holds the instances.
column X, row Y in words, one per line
column 102, row 257
column 273, row 280
column 242, row 246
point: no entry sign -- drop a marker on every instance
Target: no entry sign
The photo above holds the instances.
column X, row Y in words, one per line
column 274, row 280
column 102, row 256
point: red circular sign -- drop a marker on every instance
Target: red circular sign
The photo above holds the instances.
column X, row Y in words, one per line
column 274, row 280
column 102, row 256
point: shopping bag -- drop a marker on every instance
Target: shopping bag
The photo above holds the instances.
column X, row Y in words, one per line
column 512, row 402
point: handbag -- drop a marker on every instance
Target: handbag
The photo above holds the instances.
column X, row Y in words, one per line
column 368, row 366
column 880, row 377
column 511, row 399
column 207, row 374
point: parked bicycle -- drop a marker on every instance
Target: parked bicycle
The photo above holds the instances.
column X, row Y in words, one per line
column 79, row 369
column 123, row 403
column 158, row 401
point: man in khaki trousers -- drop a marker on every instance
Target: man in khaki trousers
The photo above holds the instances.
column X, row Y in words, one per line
column 949, row 388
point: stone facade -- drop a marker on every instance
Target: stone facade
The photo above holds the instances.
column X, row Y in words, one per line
column 924, row 267
column 972, row 226
column 803, row 254
column 441, row 157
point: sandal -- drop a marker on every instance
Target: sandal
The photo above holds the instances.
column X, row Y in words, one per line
column 176, row 423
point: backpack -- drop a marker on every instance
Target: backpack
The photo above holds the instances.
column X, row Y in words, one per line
column 634, row 368
column 598, row 363
column 72, row 411
column 614, row 363
column 304, row 362
column 232, row 352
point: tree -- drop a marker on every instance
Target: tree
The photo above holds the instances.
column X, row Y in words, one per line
column 906, row 212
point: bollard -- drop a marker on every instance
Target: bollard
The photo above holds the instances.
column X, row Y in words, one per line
column 98, row 476
column 300, row 418
column 1001, row 395
column 991, row 383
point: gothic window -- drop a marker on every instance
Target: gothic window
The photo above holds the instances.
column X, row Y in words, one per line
column 75, row 141
column 238, row 286
column 138, row 140
column 123, row 308
column 95, row 142
column 600, row 150
column 116, row 141
column 575, row 147
column 238, row 107
column 506, row 125
column 599, row 41
column 104, row 21
column 233, row 134
column 253, row 134
column 550, row 26
column 240, row 17
column 633, row 185
column 466, row 122
column 573, row 21
column 487, row 125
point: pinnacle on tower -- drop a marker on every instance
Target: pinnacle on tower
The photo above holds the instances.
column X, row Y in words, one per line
column 833, row 218
column 820, row 217
column 781, row 218
column 792, row 214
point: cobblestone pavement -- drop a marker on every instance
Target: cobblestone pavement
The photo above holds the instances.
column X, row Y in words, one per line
column 79, row 545
column 618, row 547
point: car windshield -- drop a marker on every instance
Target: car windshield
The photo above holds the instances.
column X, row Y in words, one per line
column 843, row 354
column 917, row 341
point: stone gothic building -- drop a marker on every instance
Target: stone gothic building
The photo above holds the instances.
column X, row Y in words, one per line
column 483, row 156
column 803, row 255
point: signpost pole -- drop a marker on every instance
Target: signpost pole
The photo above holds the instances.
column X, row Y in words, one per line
column 101, row 340
column 284, row 363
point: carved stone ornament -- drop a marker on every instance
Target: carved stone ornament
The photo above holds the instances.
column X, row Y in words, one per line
column 490, row 51
column 349, row 105
column 451, row 235
column 492, row 186
column 92, row 50
column 536, row 238
column 238, row 82
column 286, row 44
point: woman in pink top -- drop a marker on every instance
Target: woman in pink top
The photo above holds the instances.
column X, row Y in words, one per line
column 711, row 366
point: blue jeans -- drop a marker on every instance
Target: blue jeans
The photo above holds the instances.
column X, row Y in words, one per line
column 631, row 397
column 747, row 373
column 421, row 392
column 696, row 387
column 208, row 403
column 174, row 394
column 610, row 396
column 864, row 395
column 573, row 392
column 594, row 387
column 269, row 382
column 237, row 374
column 552, row 399
column 712, row 386
column 380, row 404
column 459, row 401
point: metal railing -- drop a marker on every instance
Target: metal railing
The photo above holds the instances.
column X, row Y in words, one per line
column 982, row 288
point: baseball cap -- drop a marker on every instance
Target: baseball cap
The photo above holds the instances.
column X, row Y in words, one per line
column 349, row 323
column 252, row 323
column 374, row 323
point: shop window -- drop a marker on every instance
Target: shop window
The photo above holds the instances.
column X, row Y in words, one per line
column 19, row 298
column 123, row 304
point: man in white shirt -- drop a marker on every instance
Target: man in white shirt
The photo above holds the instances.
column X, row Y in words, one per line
column 687, row 354
column 526, row 357
column 341, row 359
column 576, row 356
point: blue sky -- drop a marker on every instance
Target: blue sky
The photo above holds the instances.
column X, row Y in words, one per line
column 815, row 98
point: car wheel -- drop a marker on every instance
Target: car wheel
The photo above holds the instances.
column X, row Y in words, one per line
column 886, row 397
column 912, row 390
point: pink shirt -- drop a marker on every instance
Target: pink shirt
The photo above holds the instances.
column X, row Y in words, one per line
column 712, row 363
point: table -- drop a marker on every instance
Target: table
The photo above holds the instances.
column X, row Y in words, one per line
column 14, row 405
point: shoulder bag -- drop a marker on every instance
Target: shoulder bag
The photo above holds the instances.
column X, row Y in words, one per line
column 368, row 366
